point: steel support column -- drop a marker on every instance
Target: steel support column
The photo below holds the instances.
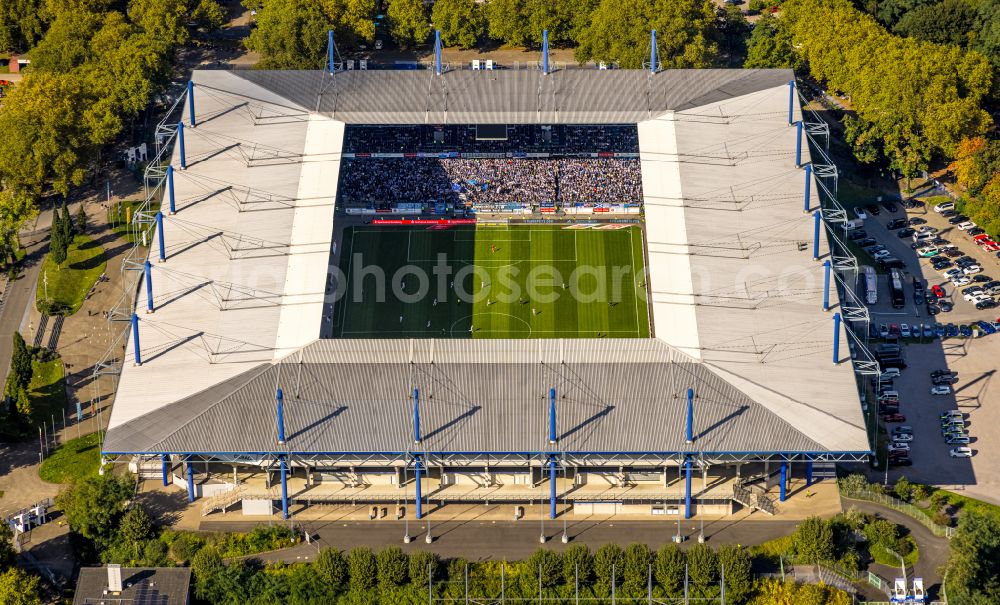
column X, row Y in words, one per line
column 791, row 101
column 135, row 340
column 180, row 143
column 165, row 460
column 783, row 488
column 148, row 270
column 798, row 144
column 687, row 489
column 190, row 476
column 826, row 285
column 836, row 338
column 329, row 51
column 552, row 487
column 159, row 234
column 817, row 221
column 805, row 199
column 190, row 91
column 809, row 473
column 170, row 189
column 284, row 488
column 416, row 478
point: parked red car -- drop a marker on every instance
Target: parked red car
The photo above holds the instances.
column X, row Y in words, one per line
column 894, row 418
column 938, row 291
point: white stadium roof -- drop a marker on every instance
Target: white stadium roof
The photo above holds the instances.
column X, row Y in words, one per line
column 735, row 294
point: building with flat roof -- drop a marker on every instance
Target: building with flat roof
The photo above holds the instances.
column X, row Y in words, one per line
column 133, row 586
column 227, row 389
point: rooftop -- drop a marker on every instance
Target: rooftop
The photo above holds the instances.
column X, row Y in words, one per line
column 735, row 294
column 140, row 586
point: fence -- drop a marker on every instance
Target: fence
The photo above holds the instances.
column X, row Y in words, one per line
column 941, row 531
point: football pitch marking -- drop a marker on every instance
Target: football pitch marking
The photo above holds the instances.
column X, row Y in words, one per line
column 489, row 262
column 342, row 321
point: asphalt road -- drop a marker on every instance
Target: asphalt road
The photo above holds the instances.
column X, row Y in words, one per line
column 479, row 541
column 19, row 293
column 933, row 550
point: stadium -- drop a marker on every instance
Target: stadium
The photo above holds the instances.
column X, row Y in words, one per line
column 601, row 291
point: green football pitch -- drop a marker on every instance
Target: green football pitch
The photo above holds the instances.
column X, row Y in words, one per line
column 524, row 281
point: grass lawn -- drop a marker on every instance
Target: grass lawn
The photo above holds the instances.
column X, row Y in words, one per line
column 47, row 391
column 72, row 460
column 69, row 282
column 531, row 281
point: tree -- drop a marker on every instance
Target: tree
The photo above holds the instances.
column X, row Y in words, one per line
column 946, row 22
column 23, row 403
column 903, row 489
column 547, row 563
column 974, row 564
column 21, row 24
column 393, row 566
column 734, row 30
column 81, row 218
column 46, row 141
column 69, row 230
column 703, row 566
column 332, row 568
column 420, row 561
column 669, row 568
column 578, row 565
column 19, row 588
column 508, row 21
column 460, row 22
column 619, row 33
column 769, row 46
column 210, row 15
column 93, row 507
column 8, row 556
column 164, row 20
column 136, row 525
column 408, row 22
column 635, row 568
column 20, row 365
column 813, row 540
column 883, row 533
column 16, row 209
column 57, row 238
column 607, row 564
column 207, row 568
column 352, row 19
column 774, row 592
column 290, row 35
column 915, row 103
column 735, row 566
column 361, row 568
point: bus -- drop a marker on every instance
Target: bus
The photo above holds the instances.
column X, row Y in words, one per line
column 896, row 289
column 870, row 285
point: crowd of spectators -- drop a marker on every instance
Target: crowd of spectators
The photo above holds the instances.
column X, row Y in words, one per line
column 564, row 181
column 567, row 138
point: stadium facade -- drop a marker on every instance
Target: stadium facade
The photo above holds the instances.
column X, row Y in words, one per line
column 226, row 388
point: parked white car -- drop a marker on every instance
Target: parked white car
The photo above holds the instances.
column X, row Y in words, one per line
column 901, row 446
column 960, row 452
column 945, row 206
column 904, row 330
column 860, row 213
column 972, row 270
column 941, row 390
column 958, row 282
column 966, row 226
column 881, row 254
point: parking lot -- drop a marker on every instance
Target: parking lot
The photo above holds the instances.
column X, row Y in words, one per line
column 974, row 360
